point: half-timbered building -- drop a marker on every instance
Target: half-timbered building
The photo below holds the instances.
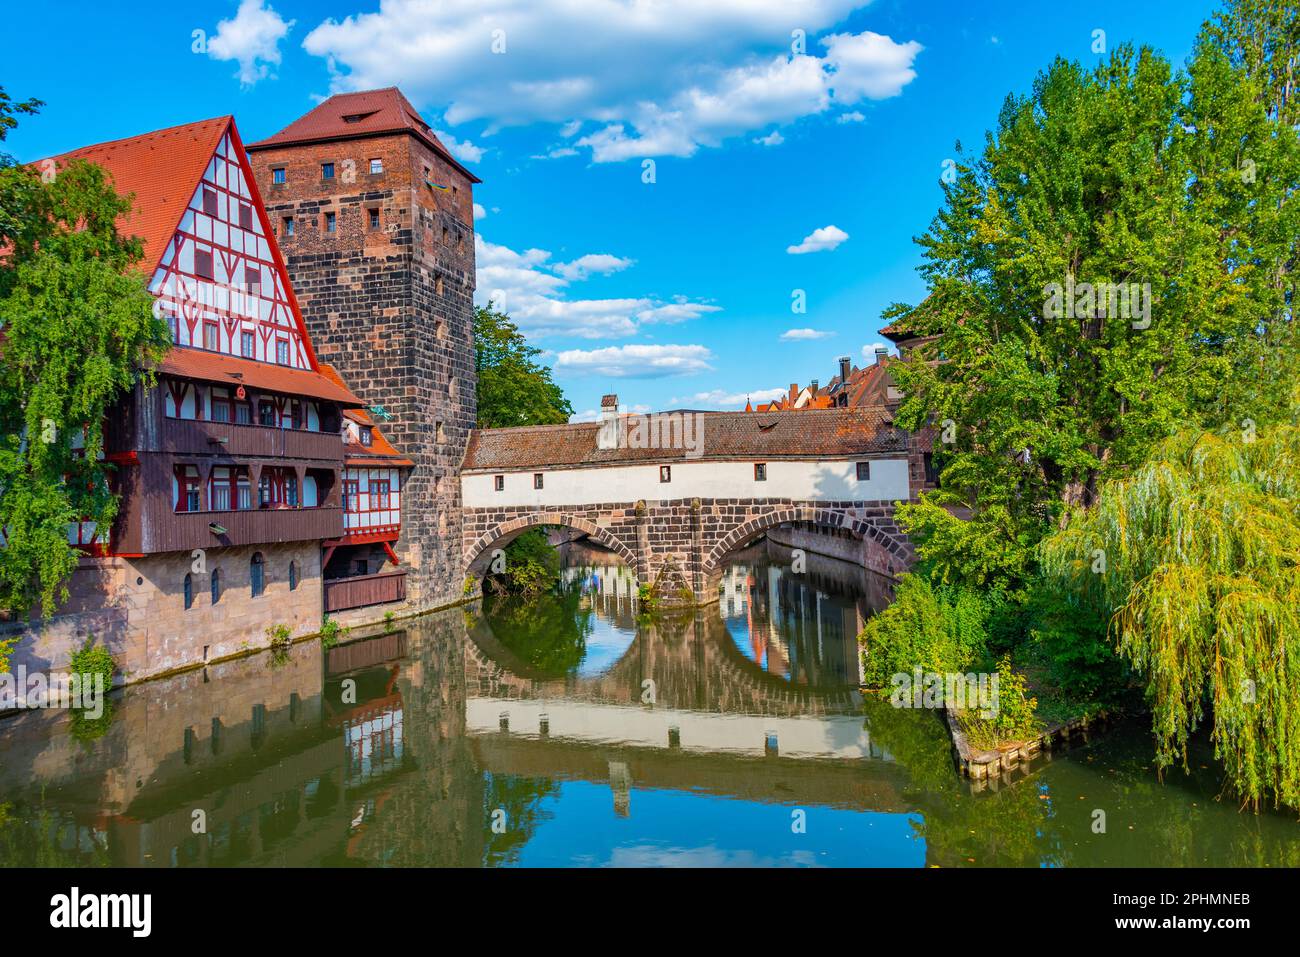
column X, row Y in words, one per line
column 231, row 469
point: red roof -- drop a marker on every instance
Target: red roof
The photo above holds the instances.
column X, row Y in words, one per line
column 380, row 452
column 726, row 435
column 368, row 113
column 162, row 169
column 208, row 366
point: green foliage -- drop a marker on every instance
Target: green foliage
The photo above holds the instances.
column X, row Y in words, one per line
column 92, row 659
column 331, row 632
column 939, row 629
column 279, row 636
column 1202, row 570
column 1015, row 719
column 389, row 618
column 532, row 564
column 471, row 583
column 78, row 330
column 513, row 388
column 7, row 646
column 89, row 661
column 1067, row 632
column 1125, row 173
column 547, row 631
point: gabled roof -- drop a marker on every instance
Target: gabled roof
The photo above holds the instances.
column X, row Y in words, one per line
column 726, row 435
column 367, row 113
column 380, row 452
column 162, row 169
column 205, row 366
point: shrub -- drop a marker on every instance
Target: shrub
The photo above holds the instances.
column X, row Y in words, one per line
column 941, row 630
column 7, row 646
column 91, row 660
column 279, row 636
column 1016, row 717
column 331, row 632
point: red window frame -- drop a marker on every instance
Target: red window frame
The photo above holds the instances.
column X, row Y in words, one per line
column 282, row 342
column 210, row 326
column 380, row 491
column 352, row 496
column 186, row 485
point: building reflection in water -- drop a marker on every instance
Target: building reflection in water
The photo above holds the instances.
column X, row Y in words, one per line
column 597, row 736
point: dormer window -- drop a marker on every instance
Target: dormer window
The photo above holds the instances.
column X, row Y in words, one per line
column 364, row 433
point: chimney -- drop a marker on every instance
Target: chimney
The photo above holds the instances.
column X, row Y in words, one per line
column 608, row 435
column 845, row 369
column 608, row 404
column 882, row 353
column 794, row 392
column 812, row 386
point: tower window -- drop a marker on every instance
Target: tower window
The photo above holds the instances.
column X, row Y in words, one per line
column 326, row 170
column 537, row 480
column 331, row 222
column 376, row 166
column 216, row 585
column 437, row 286
column 257, row 574
column 440, row 432
column 277, row 176
column 374, row 218
column 293, row 576
column 499, row 483
column 760, row 471
column 189, row 591
column 288, row 225
column 864, row 471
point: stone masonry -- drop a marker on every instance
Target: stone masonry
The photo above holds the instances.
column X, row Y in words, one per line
column 388, row 300
column 679, row 545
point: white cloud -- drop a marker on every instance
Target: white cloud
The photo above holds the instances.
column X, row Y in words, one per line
column 721, row 399
column 479, row 211
column 601, row 264
column 463, row 150
column 533, row 290
column 635, row 361
column 796, row 334
column 651, row 79
column 854, row 116
column 771, row 139
column 869, row 350
column 819, row 240
column 252, row 38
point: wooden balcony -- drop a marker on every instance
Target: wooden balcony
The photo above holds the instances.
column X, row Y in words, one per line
column 195, row 437
column 181, row 531
column 362, row 590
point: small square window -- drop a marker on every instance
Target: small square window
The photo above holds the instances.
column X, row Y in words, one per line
column 277, row 176
column 210, row 201
column 203, row 264
column 364, row 432
column 282, row 351
column 326, row 170
column 376, row 166
column 331, row 222
column 245, row 217
column 760, row 471
column 288, row 225
column 499, row 483
column 665, row 473
column 864, row 471
column 537, row 480
column 374, row 218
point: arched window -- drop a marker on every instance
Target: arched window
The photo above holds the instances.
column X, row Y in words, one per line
column 216, row 585
column 189, row 591
column 293, row 575
column 257, row 574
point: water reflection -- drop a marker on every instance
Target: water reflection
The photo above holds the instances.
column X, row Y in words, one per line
column 569, row 730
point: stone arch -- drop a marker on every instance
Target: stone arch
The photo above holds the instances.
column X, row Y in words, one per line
column 505, row 532
column 865, row 528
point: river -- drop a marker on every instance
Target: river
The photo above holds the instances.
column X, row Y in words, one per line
column 570, row 730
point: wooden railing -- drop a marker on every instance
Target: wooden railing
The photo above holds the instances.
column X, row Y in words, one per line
column 205, row 437
column 362, row 590
column 178, row 531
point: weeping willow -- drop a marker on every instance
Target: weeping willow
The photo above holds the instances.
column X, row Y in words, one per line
column 1197, row 557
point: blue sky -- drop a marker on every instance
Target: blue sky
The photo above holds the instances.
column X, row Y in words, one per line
column 672, row 293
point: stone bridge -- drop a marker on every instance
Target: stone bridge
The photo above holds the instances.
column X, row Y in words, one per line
column 673, row 515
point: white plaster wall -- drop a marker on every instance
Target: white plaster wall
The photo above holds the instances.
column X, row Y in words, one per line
column 803, row 480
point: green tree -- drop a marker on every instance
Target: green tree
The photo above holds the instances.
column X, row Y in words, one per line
column 1127, row 173
column 513, row 388
column 78, row 333
column 1198, row 555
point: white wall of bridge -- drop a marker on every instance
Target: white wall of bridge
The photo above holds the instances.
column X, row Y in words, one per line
column 807, row 480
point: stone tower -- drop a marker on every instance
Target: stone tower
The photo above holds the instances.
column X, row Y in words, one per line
column 375, row 220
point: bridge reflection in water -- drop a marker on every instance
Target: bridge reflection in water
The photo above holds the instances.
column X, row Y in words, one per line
column 592, row 736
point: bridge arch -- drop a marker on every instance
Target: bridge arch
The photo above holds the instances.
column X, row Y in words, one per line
column 498, row 536
column 863, row 528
